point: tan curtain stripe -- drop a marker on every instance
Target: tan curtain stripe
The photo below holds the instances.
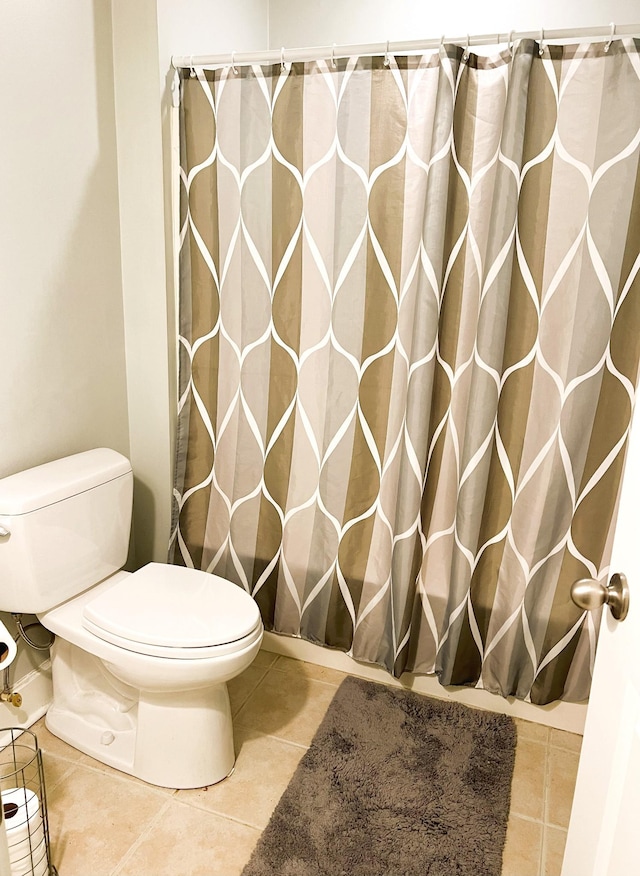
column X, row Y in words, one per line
column 409, row 346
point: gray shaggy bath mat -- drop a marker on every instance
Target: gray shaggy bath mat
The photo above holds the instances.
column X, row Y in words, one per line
column 394, row 784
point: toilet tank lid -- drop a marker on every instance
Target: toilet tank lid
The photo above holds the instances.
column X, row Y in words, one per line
column 54, row 481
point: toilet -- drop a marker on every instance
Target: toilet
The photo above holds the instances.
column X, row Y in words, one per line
column 140, row 660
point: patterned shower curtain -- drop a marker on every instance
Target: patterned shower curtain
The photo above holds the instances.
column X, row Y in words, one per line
column 409, row 343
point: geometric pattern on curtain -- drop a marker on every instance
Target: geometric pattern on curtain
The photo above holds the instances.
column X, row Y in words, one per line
column 409, row 344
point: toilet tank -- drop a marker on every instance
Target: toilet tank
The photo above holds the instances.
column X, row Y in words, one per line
column 64, row 526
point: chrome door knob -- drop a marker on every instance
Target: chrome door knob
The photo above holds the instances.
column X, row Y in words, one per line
column 589, row 594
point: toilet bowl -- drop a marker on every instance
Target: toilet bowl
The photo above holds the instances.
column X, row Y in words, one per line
column 141, row 660
column 157, row 710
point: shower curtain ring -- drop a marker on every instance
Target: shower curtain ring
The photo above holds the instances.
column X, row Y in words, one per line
column 386, row 56
column 510, row 43
column 333, row 56
column 611, row 36
column 192, row 71
column 541, row 49
column 283, row 66
column 465, row 56
column 233, row 64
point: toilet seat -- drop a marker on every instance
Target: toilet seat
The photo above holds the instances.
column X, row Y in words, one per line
column 172, row 611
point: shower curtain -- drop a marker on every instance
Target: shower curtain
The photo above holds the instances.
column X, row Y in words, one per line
column 409, row 343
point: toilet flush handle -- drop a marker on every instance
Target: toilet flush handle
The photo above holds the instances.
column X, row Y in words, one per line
column 4, row 532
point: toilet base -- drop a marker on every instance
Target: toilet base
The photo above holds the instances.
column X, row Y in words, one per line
column 174, row 741
column 189, row 745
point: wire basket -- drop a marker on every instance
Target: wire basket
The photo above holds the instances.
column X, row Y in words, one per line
column 24, row 804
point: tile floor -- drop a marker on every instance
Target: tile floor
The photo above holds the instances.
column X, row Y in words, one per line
column 103, row 823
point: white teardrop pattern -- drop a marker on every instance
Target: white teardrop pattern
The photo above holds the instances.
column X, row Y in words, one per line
column 409, row 344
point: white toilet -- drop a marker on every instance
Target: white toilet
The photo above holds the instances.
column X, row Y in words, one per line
column 140, row 661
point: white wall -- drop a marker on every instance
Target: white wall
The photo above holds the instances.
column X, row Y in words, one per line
column 323, row 22
column 137, row 125
column 62, row 370
column 188, row 27
column 62, row 380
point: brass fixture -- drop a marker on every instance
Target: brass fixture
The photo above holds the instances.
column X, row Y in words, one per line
column 15, row 699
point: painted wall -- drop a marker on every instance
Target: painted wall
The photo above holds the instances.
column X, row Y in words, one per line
column 137, row 128
column 323, row 22
column 62, row 332
column 62, row 374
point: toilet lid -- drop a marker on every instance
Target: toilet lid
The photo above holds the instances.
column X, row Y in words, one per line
column 174, row 607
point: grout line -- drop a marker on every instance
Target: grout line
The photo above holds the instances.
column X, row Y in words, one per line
column 259, row 732
column 138, row 842
column 251, row 692
column 565, row 750
column 46, row 752
column 277, row 738
column 557, row 826
column 523, row 735
column 273, row 654
column 50, row 785
column 281, row 672
column 545, row 807
column 528, row 818
column 120, row 776
column 296, row 673
column 223, row 815
column 332, row 684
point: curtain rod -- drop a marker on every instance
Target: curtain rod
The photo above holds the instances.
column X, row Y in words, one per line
column 313, row 53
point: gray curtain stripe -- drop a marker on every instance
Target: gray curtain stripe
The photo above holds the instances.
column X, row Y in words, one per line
column 405, row 385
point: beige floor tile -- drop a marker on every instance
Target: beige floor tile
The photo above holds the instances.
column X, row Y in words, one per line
column 310, row 670
column 527, row 787
column 568, row 741
column 264, row 659
column 287, row 705
column 563, row 769
column 531, row 731
column 523, row 848
column 242, row 686
column 94, row 820
column 105, row 823
column 52, row 745
column 93, row 764
column 263, row 770
column 55, row 770
column 554, row 843
column 186, row 841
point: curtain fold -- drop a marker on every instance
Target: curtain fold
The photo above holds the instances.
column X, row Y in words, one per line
column 409, row 344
